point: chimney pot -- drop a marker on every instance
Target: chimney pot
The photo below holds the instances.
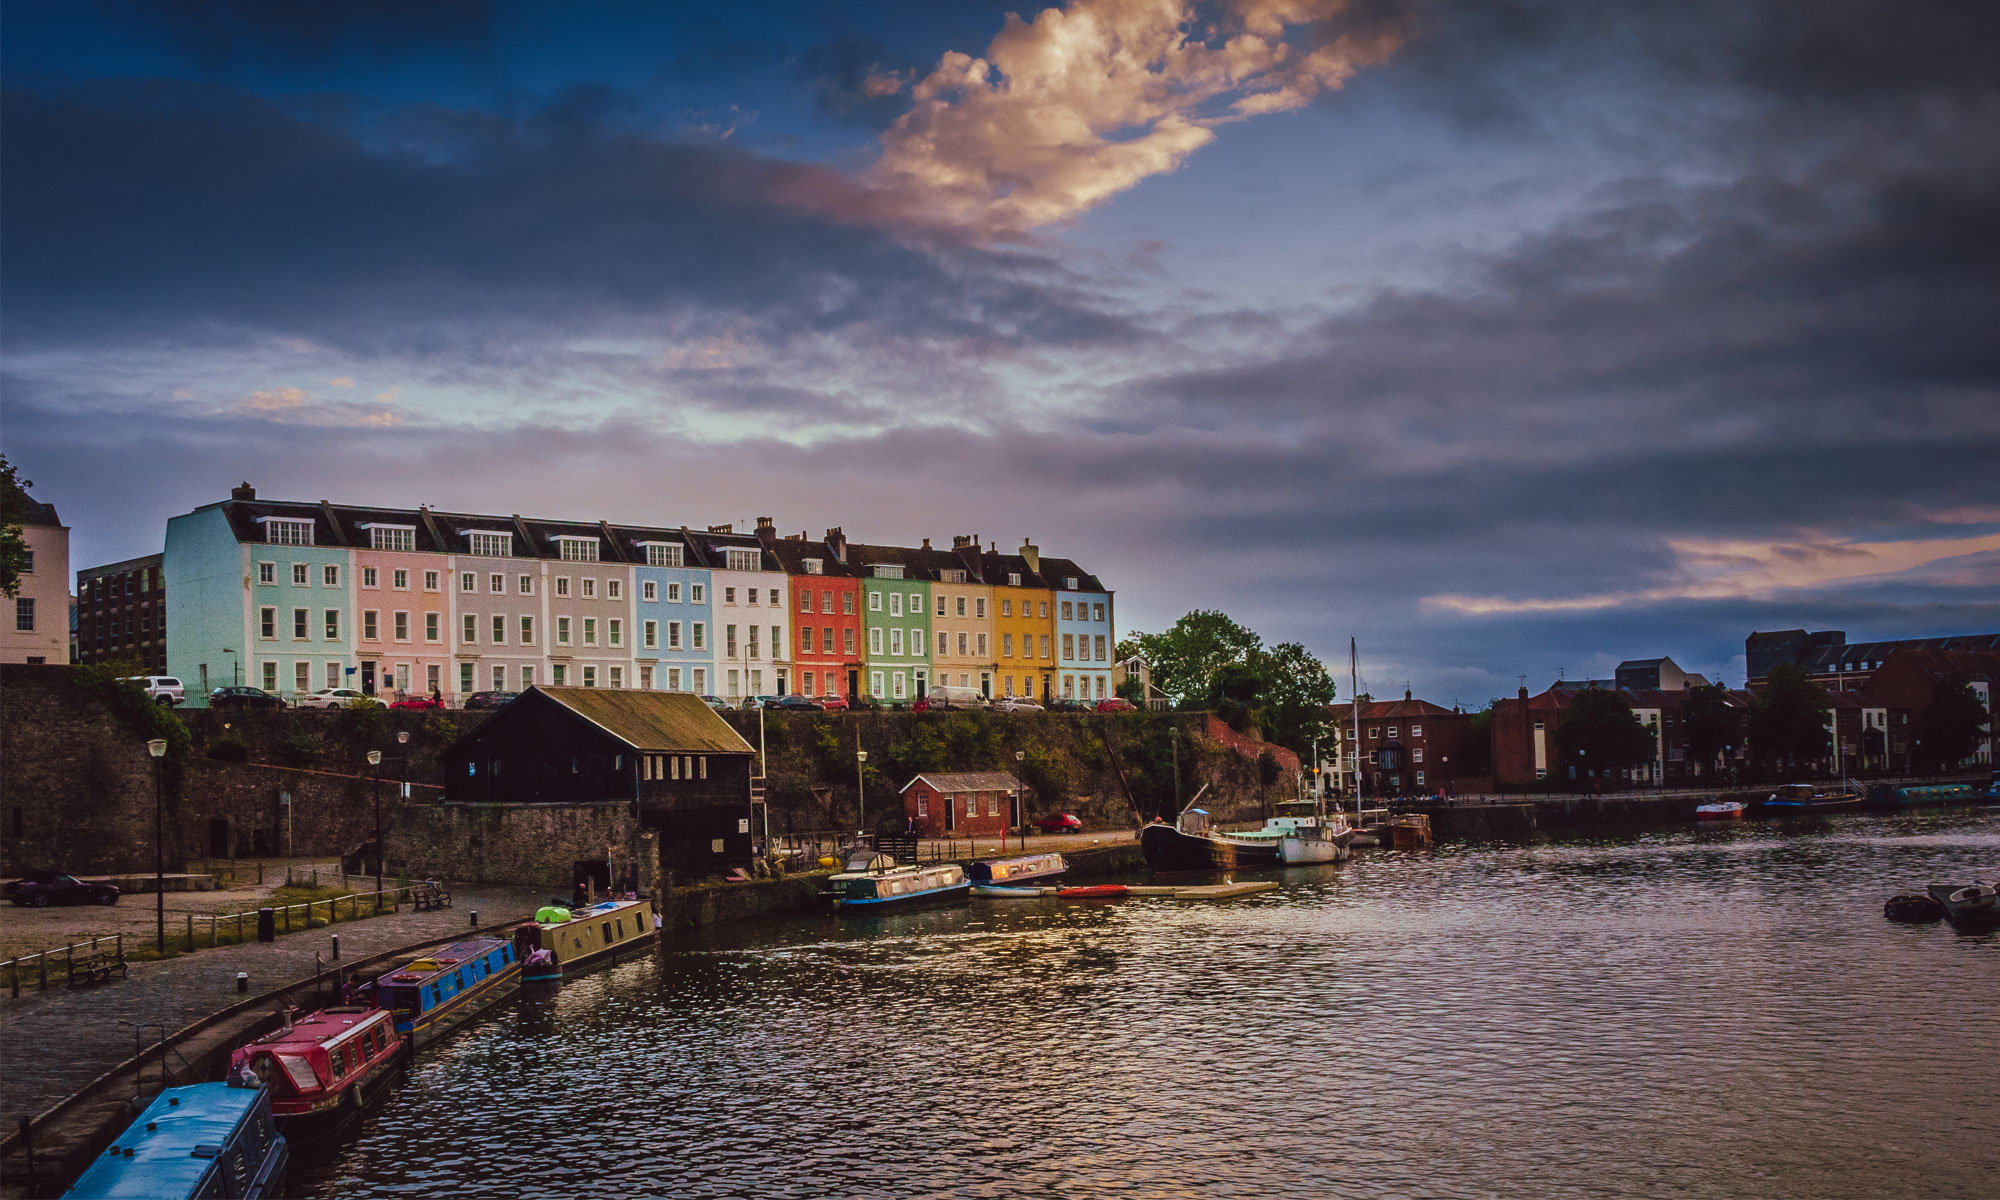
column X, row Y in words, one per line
column 243, row 491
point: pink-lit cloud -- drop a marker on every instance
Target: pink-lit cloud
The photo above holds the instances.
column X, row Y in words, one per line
column 1080, row 103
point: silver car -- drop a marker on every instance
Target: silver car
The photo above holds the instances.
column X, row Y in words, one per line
column 335, row 698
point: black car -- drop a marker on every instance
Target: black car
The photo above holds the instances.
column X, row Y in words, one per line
column 243, row 697
column 806, row 703
column 39, row 889
column 1066, row 706
column 489, row 699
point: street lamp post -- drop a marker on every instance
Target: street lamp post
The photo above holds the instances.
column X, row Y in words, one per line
column 158, row 749
column 235, row 670
column 861, row 789
column 1020, row 798
column 375, row 762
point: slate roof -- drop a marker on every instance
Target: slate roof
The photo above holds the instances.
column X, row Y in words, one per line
column 1376, row 710
column 669, row 722
column 966, row 781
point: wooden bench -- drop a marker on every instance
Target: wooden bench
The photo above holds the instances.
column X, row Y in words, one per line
column 95, row 968
column 424, row 899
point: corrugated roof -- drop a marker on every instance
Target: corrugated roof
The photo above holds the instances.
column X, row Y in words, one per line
column 968, row 781
column 672, row 722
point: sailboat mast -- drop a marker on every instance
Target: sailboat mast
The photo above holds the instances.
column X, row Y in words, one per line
column 1354, row 696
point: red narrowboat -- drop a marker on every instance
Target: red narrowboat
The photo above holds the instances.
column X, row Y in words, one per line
column 324, row 1070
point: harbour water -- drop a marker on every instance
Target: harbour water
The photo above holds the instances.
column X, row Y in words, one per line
column 1707, row 1012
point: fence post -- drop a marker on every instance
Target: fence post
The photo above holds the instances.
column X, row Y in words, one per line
column 69, row 963
column 42, row 968
column 239, row 916
column 121, row 947
column 211, row 931
column 190, row 917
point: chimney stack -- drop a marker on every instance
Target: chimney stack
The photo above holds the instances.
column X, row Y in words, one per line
column 927, row 543
column 243, row 491
column 837, row 542
column 1032, row 554
column 766, row 523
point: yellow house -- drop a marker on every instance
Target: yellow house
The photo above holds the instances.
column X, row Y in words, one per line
column 962, row 608
column 1024, row 625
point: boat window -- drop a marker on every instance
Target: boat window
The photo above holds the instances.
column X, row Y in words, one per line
column 299, row 1071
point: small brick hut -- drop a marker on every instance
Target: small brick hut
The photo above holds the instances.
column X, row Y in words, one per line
column 970, row 804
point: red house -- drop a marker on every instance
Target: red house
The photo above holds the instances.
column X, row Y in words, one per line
column 974, row 804
column 826, row 626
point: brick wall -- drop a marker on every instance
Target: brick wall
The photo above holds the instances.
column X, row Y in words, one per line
column 76, row 788
column 1216, row 729
column 533, row 845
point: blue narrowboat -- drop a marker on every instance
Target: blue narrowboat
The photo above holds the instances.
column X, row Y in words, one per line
column 1023, row 868
column 433, row 995
column 208, row 1139
column 861, row 893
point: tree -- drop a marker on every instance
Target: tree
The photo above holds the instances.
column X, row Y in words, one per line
column 1787, row 721
column 1953, row 723
column 1187, row 656
column 1477, row 752
column 1297, row 694
column 1713, row 724
column 1599, row 733
column 14, row 512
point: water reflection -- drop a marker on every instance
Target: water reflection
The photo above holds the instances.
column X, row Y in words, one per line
column 1708, row 1012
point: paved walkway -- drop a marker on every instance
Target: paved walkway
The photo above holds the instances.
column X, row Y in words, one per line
column 54, row 1042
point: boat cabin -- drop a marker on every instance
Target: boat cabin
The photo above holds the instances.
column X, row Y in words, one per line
column 207, row 1139
column 426, row 987
column 584, row 933
column 1019, row 869
column 309, row 1064
column 851, row 889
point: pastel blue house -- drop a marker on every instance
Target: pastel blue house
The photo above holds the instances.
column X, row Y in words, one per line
column 673, row 613
column 1085, row 636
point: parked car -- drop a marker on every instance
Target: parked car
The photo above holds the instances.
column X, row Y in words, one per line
column 866, row 704
column 1014, row 704
column 1116, row 704
column 331, row 698
column 163, row 688
column 243, row 697
column 717, row 703
column 833, row 703
column 1059, row 823
column 1067, row 705
column 39, row 889
column 750, row 703
column 489, row 699
column 417, row 702
column 945, row 695
column 795, row 702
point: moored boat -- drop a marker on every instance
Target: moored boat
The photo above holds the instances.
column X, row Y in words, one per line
column 1935, row 793
column 1018, row 870
column 1806, row 797
column 206, row 1139
column 995, row 891
column 1721, row 810
column 1099, row 891
column 859, row 893
column 431, row 996
column 323, row 1070
column 1974, row 907
column 1191, row 844
column 561, row 941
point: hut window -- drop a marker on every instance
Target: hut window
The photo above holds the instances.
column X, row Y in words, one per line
column 923, row 806
column 646, row 769
column 676, row 764
column 617, row 762
column 575, row 766
column 704, row 768
column 472, row 768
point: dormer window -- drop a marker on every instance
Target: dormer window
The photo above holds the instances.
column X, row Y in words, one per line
column 1013, row 579
column 954, row 577
column 391, row 537
column 888, row 571
column 743, row 560
column 287, row 531
column 1069, row 582
column 815, row 566
column 486, row 543
column 576, row 549
column 661, row 554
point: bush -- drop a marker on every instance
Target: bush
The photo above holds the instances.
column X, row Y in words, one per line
column 300, row 747
column 229, row 748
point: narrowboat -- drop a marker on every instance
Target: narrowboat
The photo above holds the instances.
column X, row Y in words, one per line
column 323, row 1070
column 1805, row 797
column 561, row 941
column 431, row 996
column 861, row 893
column 206, row 1139
column 1192, row 844
column 1013, row 872
column 1937, row 793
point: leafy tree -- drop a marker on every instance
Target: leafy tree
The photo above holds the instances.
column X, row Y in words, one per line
column 1478, row 747
column 1600, row 733
column 1131, row 688
column 1952, row 724
column 13, row 516
column 1297, row 693
column 1713, row 723
column 1787, row 721
column 1186, row 658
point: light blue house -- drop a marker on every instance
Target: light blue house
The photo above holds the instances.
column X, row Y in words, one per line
column 1086, row 640
column 672, row 611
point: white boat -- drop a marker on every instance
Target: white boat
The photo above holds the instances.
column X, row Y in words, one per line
column 1304, row 834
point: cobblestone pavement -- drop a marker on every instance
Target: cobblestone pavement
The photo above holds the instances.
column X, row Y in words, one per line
column 53, row 1042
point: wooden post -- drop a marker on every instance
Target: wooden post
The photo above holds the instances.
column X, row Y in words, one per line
column 42, row 968
column 69, row 963
column 211, row 931
column 121, row 947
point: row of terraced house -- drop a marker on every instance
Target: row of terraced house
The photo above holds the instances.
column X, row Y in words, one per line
column 295, row 597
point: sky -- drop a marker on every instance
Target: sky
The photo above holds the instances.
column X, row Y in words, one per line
column 1510, row 338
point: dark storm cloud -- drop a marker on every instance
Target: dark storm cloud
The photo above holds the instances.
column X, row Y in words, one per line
column 172, row 210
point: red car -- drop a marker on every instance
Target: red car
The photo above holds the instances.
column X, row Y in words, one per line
column 833, row 703
column 1059, row 823
column 1116, row 704
column 418, row 702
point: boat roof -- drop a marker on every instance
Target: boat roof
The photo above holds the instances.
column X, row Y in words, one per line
column 327, row 1027
column 596, row 910
column 443, row 959
column 1023, row 858
column 163, row 1159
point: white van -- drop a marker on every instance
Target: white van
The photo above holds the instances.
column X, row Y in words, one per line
column 163, row 688
column 944, row 695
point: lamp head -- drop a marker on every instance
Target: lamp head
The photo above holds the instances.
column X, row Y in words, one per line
column 860, row 756
column 402, row 737
column 157, row 747
column 374, row 758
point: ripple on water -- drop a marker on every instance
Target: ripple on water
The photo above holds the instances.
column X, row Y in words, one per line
column 1711, row 1013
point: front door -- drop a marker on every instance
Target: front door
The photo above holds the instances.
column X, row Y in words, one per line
column 950, row 812
column 853, row 684
column 367, row 677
